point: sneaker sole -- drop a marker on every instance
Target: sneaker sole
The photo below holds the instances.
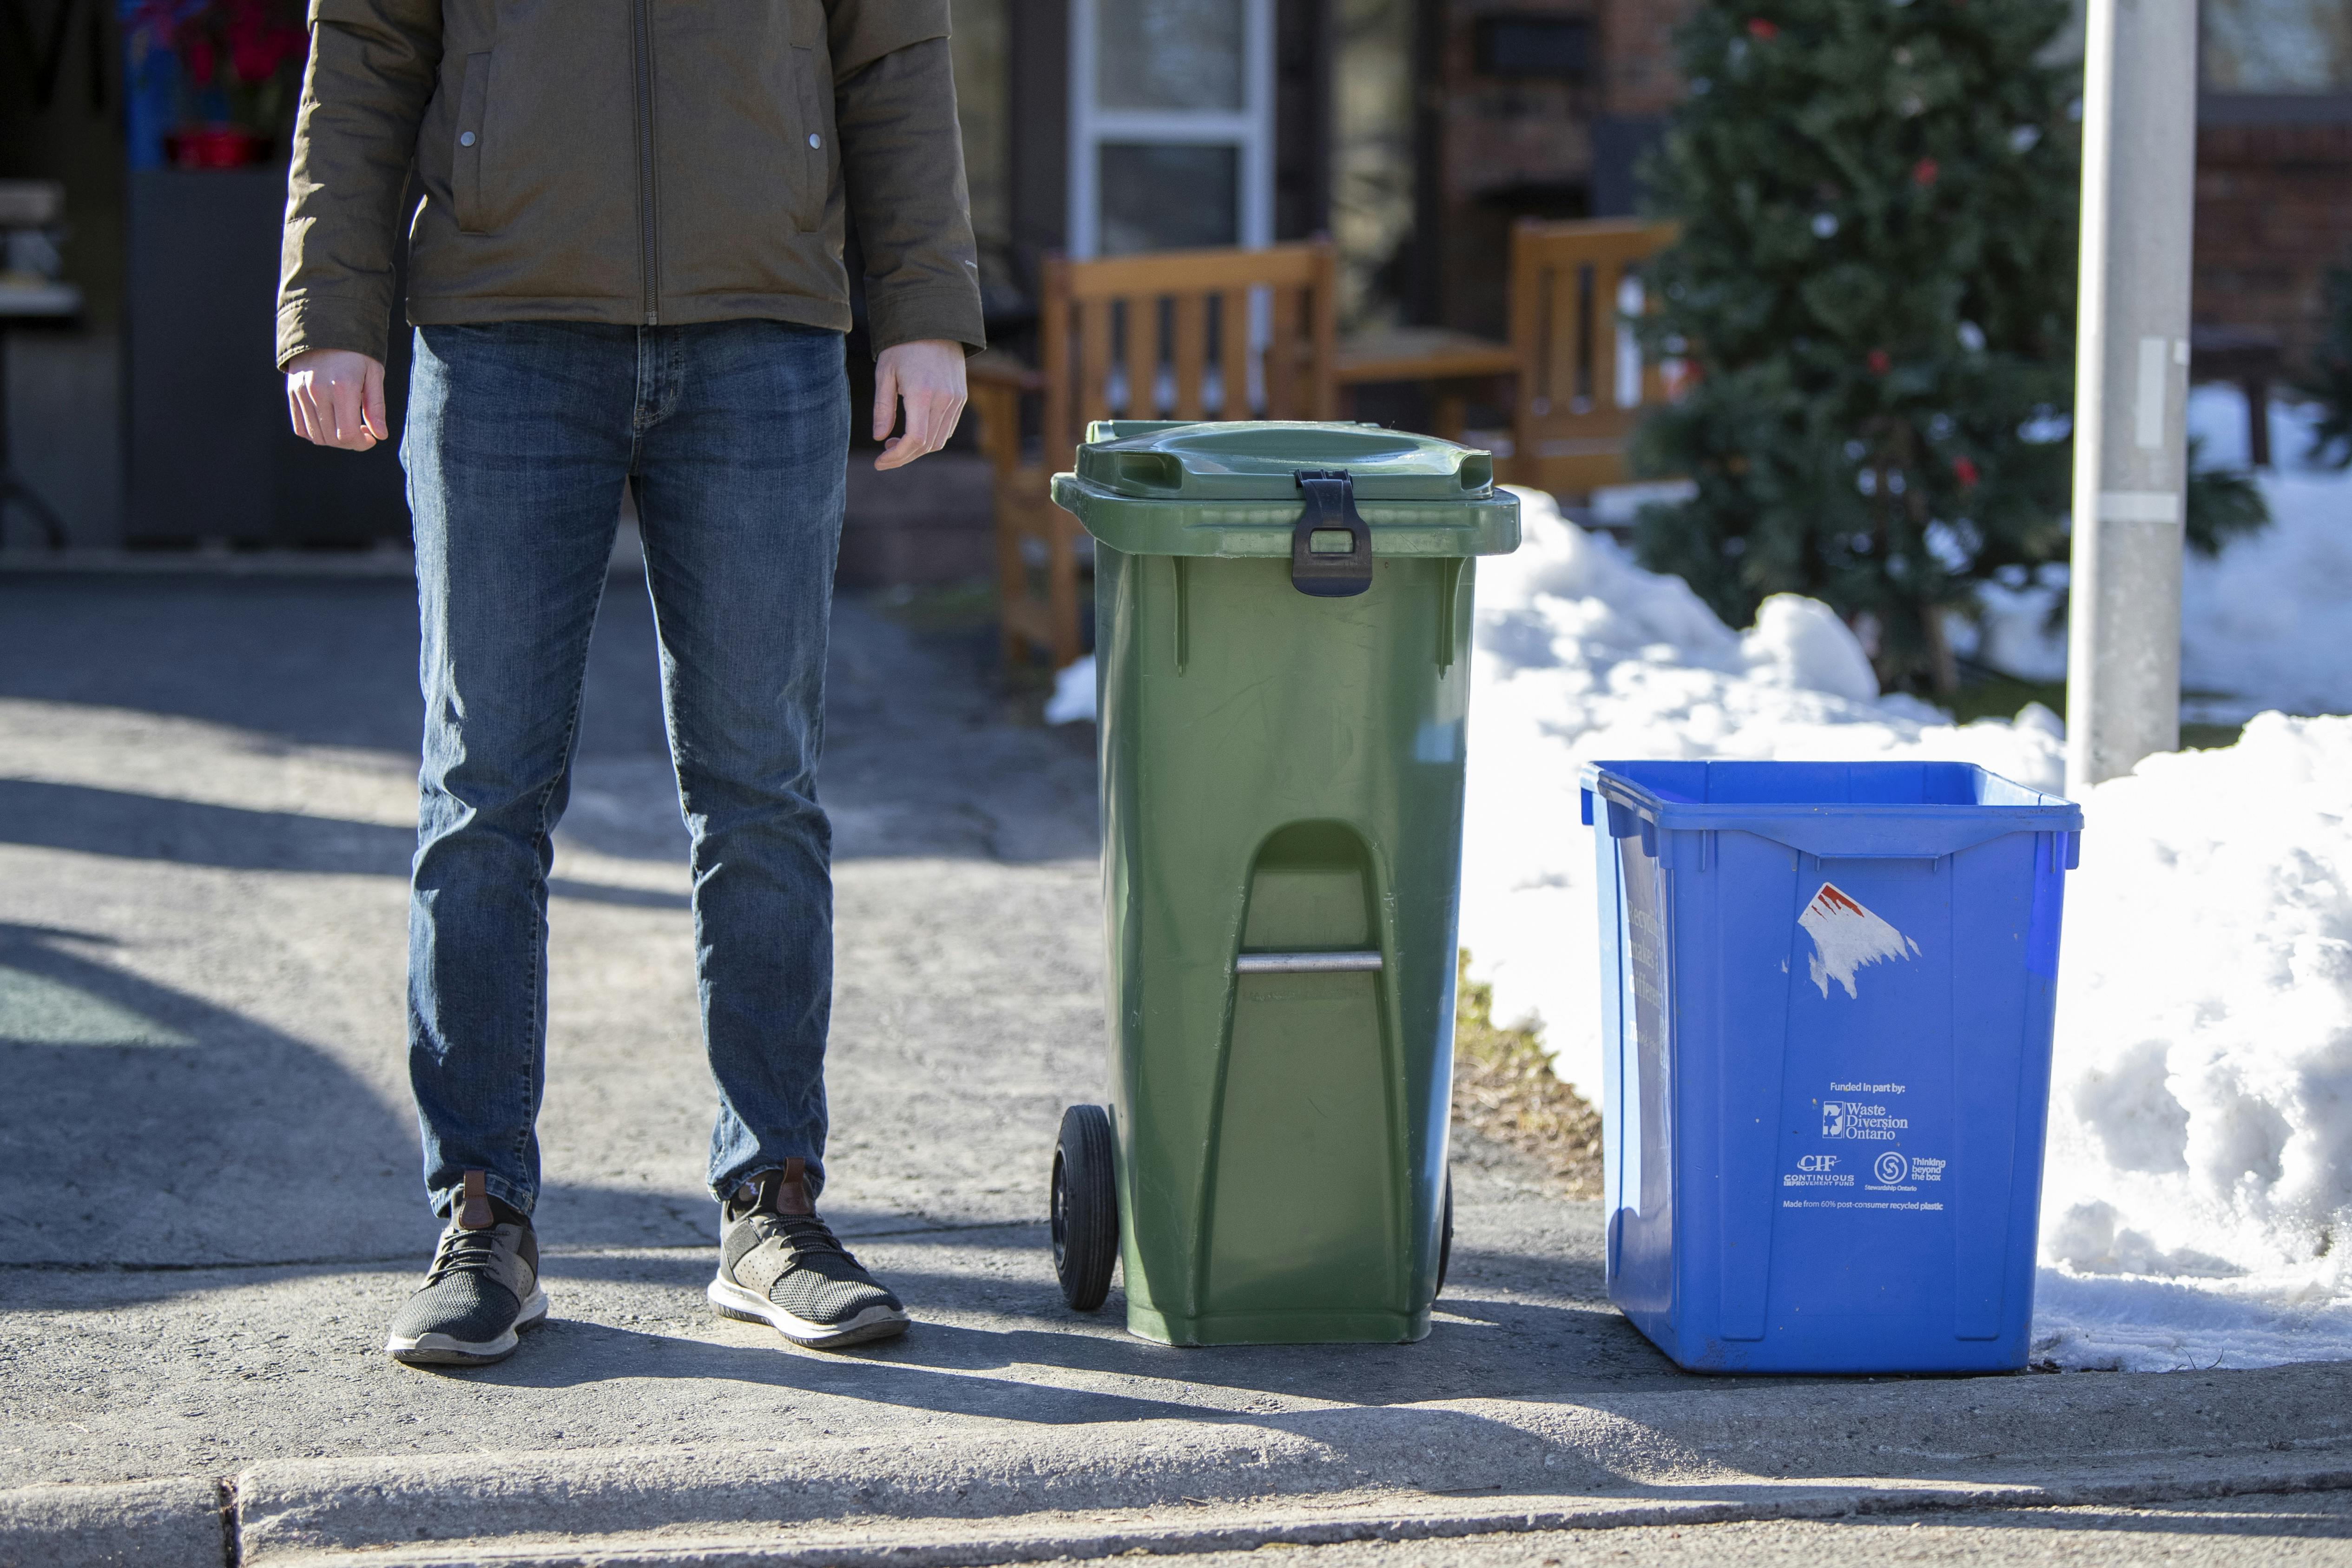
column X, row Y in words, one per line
column 874, row 1323
column 441, row 1350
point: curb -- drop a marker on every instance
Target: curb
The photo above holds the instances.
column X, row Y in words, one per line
column 185, row 1524
column 1716, row 1451
column 1396, row 1517
column 167, row 1523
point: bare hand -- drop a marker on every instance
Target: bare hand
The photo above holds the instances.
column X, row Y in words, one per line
column 335, row 398
column 928, row 376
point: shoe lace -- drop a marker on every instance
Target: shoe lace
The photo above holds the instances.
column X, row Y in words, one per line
column 466, row 1252
column 805, row 1236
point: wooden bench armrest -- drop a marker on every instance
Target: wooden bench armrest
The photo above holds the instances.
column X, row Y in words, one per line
column 995, row 401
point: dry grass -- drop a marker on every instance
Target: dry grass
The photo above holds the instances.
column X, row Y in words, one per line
column 1503, row 1089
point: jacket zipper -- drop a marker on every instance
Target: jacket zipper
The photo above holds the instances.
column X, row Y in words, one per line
column 648, row 252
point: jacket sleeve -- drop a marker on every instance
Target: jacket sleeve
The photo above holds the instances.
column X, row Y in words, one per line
column 902, row 168
column 370, row 75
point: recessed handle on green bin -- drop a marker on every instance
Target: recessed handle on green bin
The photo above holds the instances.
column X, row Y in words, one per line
column 1330, row 509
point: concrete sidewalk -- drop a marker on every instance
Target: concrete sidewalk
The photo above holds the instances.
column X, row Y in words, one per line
column 209, row 1204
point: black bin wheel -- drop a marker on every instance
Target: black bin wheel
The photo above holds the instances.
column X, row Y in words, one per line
column 1445, row 1237
column 1085, row 1208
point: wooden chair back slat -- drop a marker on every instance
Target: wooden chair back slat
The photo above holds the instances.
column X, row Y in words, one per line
column 1093, row 400
column 1191, row 355
column 1142, row 313
column 1569, row 294
column 1281, row 401
column 1324, row 399
column 1234, row 352
column 1054, row 349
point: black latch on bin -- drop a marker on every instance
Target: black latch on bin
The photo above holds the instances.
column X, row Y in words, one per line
column 1330, row 509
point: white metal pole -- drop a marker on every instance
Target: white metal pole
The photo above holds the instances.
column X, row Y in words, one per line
column 2131, row 385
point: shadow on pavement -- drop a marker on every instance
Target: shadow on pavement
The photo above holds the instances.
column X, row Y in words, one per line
column 1508, row 1348
column 89, row 821
column 147, row 1128
column 917, row 759
column 563, row 1353
column 313, row 660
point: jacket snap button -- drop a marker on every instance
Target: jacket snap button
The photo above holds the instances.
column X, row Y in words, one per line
column 815, row 140
column 466, row 140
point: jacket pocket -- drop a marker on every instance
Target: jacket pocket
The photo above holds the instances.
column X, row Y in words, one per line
column 468, row 197
column 811, row 106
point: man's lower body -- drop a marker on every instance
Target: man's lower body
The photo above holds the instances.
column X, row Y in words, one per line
column 519, row 438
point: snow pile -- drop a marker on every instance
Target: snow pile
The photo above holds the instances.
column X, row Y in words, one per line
column 1581, row 655
column 2269, row 624
column 2199, row 1184
column 2201, row 1097
column 1073, row 693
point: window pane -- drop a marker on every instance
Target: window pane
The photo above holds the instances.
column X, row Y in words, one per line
column 1168, row 54
column 2278, row 45
column 1163, row 196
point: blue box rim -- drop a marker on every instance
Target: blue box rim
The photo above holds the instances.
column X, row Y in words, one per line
column 1832, row 828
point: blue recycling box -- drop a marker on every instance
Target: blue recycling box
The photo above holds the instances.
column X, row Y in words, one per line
column 1827, row 991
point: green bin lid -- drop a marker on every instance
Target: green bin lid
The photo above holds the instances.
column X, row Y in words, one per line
column 1230, row 488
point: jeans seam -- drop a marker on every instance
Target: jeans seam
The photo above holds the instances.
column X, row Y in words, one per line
column 539, row 899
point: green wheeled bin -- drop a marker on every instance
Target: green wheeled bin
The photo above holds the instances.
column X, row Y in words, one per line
column 1281, row 651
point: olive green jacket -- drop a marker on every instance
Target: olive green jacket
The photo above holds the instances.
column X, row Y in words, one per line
column 630, row 162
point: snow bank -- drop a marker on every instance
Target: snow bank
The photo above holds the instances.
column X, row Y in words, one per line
column 2201, row 1094
column 2199, row 1198
column 1581, row 655
column 2269, row 624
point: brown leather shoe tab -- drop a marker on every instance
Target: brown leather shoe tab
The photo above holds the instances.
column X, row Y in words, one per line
column 792, row 1192
column 474, row 1211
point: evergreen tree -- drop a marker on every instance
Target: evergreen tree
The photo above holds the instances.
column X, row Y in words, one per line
column 1873, row 290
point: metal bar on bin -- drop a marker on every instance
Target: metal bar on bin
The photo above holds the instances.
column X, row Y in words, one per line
column 1305, row 963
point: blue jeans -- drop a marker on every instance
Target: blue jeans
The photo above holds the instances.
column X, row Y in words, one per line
column 519, row 437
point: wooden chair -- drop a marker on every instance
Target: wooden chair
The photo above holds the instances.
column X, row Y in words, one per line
column 1445, row 363
column 1194, row 334
column 1582, row 385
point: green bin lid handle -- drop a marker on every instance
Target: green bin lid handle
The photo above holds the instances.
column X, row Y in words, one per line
column 1330, row 507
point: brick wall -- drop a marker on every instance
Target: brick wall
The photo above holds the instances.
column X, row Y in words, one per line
column 2274, row 200
column 1637, row 45
column 1511, row 148
column 2274, row 212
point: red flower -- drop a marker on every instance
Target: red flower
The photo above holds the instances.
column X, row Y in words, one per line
column 1762, row 31
column 1924, row 173
column 253, row 57
column 1966, row 472
column 1880, row 362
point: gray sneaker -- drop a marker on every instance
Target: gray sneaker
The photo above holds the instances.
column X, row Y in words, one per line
column 483, row 1289
column 778, row 1265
